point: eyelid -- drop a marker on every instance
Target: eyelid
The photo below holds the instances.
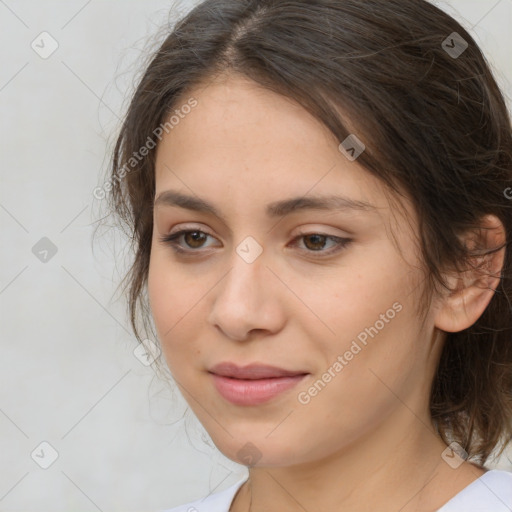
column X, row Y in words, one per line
column 302, row 231
column 319, row 231
column 187, row 227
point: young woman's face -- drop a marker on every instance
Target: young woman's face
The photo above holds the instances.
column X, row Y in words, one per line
column 253, row 283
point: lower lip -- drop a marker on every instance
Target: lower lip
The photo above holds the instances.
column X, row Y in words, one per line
column 253, row 392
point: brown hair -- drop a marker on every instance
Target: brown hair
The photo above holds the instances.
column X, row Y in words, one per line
column 434, row 124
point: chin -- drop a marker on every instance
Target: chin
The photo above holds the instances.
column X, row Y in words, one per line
column 258, row 451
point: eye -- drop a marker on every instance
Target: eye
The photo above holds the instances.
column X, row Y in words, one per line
column 315, row 242
column 195, row 238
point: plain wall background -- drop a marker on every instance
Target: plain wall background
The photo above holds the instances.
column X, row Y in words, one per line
column 68, row 373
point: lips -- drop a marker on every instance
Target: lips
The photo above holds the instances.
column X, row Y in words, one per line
column 253, row 371
column 253, row 384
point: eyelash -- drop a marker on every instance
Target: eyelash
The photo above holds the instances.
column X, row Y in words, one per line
column 171, row 240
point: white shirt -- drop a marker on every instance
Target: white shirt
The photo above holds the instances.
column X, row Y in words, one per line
column 492, row 492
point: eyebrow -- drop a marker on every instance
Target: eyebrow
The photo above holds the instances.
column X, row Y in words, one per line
column 275, row 209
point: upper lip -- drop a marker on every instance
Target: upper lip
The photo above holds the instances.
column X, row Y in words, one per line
column 252, row 371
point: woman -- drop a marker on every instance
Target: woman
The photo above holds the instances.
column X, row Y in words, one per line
column 317, row 193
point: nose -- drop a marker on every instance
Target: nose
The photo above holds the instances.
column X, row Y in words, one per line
column 247, row 300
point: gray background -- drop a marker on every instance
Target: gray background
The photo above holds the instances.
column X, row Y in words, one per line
column 69, row 374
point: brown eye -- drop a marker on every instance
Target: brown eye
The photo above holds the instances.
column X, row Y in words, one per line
column 315, row 242
column 194, row 239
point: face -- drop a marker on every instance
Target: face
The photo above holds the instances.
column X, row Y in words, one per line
column 320, row 291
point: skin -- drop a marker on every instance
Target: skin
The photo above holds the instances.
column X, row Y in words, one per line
column 365, row 441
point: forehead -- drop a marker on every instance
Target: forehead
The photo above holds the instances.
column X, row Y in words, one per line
column 250, row 146
column 242, row 118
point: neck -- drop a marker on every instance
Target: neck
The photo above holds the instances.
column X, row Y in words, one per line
column 388, row 469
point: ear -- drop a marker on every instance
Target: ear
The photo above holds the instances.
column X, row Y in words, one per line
column 474, row 288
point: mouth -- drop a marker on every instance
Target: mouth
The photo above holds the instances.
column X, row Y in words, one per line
column 253, row 371
column 253, row 384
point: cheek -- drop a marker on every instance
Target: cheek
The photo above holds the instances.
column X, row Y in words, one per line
column 343, row 305
column 175, row 303
column 370, row 316
column 167, row 294
column 359, row 384
column 159, row 289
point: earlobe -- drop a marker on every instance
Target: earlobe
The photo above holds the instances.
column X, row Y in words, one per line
column 473, row 290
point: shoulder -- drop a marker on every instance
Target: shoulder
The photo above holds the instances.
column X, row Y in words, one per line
column 216, row 502
column 492, row 492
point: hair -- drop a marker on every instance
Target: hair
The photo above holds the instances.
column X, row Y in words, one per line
column 435, row 126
